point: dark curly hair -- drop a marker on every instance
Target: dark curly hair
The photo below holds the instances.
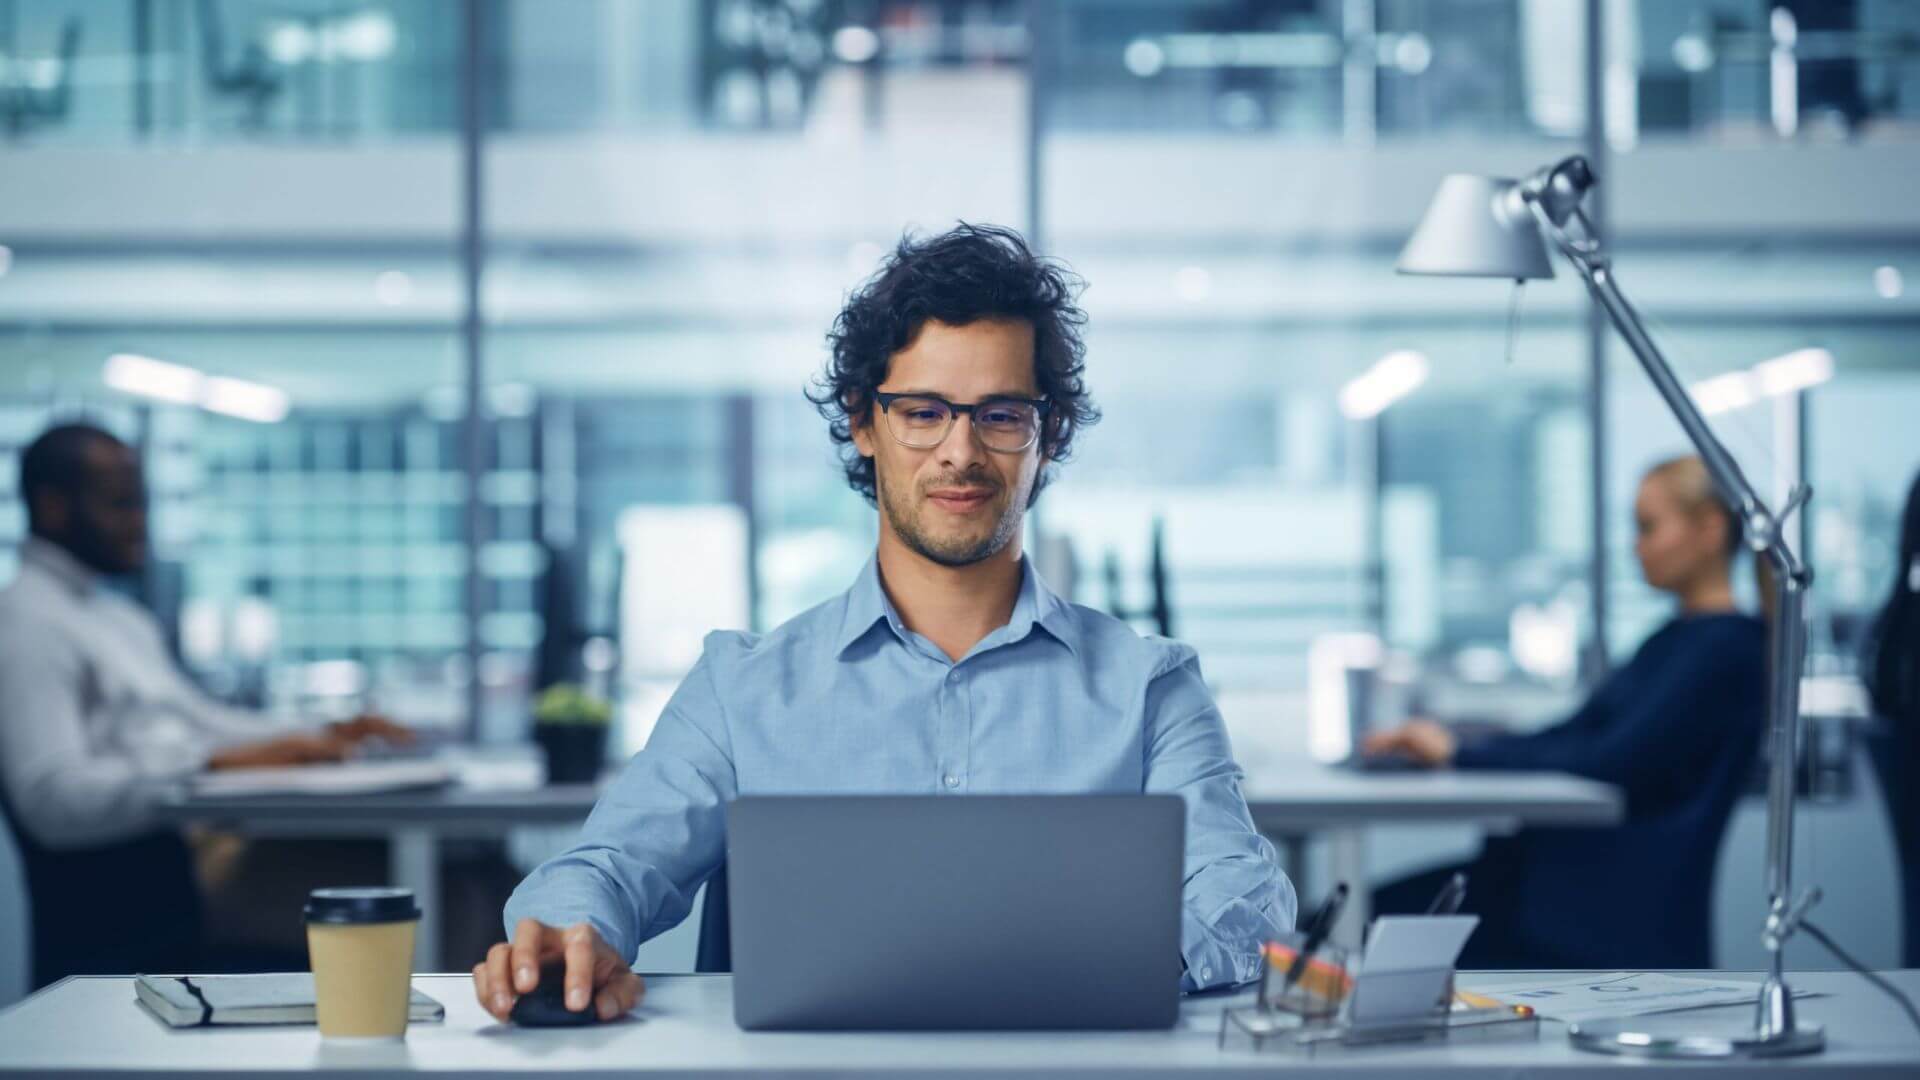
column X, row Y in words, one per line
column 967, row 273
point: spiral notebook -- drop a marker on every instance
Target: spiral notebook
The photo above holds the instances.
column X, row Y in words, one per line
column 210, row 1000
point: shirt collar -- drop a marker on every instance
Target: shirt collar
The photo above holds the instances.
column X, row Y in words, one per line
column 55, row 561
column 865, row 604
column 1037, row 605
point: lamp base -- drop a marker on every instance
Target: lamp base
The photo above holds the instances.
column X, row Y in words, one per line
column 1683, row 1035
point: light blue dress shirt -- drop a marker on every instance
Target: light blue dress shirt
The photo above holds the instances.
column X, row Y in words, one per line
column 844, row 699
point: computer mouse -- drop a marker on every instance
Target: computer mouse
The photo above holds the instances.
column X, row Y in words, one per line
column 546, row 1005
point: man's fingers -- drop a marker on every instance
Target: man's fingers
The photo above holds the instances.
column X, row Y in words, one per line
column 483, row 991
column 375, row 726
column 621, row 993
column 614, row 999
column 494, row 984
column 579, row 945
column 529, row 939
column 319, row 748
column 619, row 989
column 634, row 986
column 480, row 983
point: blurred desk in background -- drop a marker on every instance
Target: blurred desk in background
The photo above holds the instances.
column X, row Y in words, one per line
column 490, row 797
column 1292, row 797
column 1295, row 798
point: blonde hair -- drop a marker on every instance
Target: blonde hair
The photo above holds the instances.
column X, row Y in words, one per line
column 1686, row 478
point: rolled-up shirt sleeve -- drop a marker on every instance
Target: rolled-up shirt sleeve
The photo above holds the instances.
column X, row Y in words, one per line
column 655, row 835
column 1235, row 897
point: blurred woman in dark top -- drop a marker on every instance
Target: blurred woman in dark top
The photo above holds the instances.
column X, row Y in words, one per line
column 1676, row 729
column 1893, row 684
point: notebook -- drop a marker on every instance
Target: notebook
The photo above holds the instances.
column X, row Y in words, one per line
column 202, row 1000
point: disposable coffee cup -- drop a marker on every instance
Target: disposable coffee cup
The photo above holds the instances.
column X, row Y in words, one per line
column 360, row 943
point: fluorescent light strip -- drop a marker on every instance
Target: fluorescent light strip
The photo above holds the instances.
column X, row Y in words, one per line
column 1799, row 370
column 1725, row 393
column 147, row 377
column 181, row 385
column 246, row 400
column 1391, row 378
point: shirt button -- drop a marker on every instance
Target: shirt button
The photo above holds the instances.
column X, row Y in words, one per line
column 951, row 780
column 1206, row 974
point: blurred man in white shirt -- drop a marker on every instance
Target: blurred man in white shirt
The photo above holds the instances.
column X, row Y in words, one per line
column 97, row 722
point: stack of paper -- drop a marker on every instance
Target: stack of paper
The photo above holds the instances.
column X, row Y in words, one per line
column 1575, row 998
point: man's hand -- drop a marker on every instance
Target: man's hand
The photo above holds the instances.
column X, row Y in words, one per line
column 371, row 726
column 594, row 972
column 299, row 748
column 335, row 742
column 1422, row 740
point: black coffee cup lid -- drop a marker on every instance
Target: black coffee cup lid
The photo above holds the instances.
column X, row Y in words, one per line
column 361, row 905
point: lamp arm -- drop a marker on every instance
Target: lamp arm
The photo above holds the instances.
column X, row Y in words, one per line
column 1553, row 197
column 1763, row 527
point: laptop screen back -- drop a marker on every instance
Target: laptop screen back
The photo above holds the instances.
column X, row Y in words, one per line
column 956, row 912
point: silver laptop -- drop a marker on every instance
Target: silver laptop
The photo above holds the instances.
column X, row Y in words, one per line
column 978, row 912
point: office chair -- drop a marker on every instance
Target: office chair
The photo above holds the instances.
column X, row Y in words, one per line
column 714, row 954
column 254, row 78
column 24, row 107
column 16, row 927
column 81, row 923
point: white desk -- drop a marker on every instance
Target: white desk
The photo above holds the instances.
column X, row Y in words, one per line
column 91, row 1027
column 1290, row 797
column 413, row 823
column 1295, row 797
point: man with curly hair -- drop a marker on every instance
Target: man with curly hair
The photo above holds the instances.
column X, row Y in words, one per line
column 954, row 388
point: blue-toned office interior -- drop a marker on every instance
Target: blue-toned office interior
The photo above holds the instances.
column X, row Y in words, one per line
column 468, row 358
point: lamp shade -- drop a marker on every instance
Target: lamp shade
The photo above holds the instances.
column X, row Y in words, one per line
column 1475, row 228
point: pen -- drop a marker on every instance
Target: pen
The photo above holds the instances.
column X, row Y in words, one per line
column 1450, row 897
column 1481, row 1001
column 1475, row 1001
column 1318, row 927
column 1323, row 983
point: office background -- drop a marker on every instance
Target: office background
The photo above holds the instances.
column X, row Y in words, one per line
column 524, row 294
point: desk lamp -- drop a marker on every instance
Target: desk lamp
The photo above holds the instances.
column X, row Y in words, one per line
column 1489, row 227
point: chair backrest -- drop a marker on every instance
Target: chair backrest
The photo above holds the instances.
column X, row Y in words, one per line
column 715, row 952
column 16, row 921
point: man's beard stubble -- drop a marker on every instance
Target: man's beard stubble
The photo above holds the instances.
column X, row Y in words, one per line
column 959, row 552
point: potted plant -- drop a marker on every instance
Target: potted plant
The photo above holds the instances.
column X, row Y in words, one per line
column 571, row 726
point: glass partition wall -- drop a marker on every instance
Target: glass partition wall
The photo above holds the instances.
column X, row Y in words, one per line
column 674, row 197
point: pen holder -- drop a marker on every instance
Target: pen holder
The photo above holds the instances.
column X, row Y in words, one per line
column 1320, row 990
column 1337, row 1011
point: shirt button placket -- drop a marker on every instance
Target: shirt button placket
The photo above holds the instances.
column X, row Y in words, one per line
column 955, row 731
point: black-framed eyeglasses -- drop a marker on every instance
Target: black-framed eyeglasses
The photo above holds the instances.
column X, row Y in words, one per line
column 922, row 421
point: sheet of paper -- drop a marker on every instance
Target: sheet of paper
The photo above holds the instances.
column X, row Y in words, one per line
column 1610, row 995
column 1416, row 942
